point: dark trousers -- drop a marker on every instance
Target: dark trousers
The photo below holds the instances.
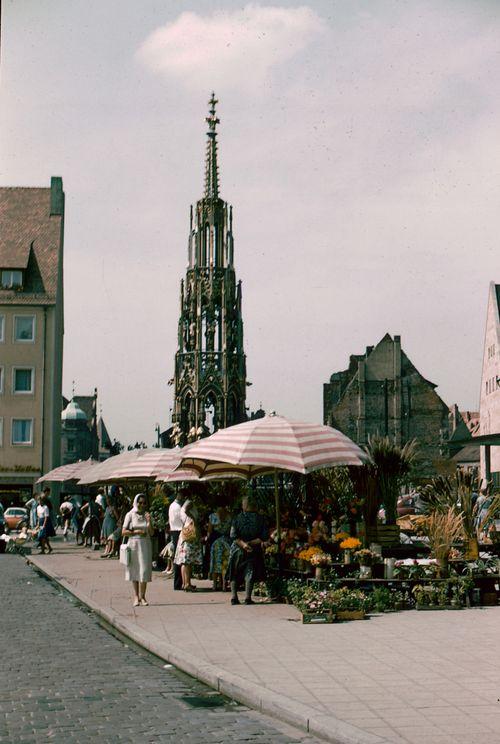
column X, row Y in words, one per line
column 174, row 536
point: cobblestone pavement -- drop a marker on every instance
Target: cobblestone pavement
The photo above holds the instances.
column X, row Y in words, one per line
column 64, row 678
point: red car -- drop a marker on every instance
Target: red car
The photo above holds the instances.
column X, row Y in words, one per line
column 406, row 505
column 14, row 516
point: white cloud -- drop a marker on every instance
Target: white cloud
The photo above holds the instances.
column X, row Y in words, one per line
column 230, row 48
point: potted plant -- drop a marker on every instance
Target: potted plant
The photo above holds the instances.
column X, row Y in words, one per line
column 458, row 492
column 349, row 604
column 442, row 528
column 366, row 559
column 306, row 554
column 320, row 560
column 384, row 599
column 392, row 464
column 315, row 605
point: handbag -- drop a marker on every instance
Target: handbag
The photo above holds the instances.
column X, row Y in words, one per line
column 125, row 554
column 189, row 533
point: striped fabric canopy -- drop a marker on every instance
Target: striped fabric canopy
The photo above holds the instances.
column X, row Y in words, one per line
column 271, row 444
column 100, row 472
column 72, row 471
column 183, row 474
column 149, row 465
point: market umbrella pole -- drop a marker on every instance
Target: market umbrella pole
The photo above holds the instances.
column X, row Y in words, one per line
column 278, row 518
column 277, row 508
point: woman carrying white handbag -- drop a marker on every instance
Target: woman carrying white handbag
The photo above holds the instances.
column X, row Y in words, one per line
column 137, row 528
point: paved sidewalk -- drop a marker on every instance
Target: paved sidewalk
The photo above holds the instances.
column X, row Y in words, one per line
column 83, row 686
column 414, row 677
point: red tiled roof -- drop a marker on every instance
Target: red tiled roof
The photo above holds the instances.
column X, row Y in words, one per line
column 30, row 239
column 14, row 255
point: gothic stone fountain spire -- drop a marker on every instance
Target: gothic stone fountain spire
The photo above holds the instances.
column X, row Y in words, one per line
column 210, row 365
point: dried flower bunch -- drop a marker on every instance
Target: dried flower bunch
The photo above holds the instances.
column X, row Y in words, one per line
column 366, row 557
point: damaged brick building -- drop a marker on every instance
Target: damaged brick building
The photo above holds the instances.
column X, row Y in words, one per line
column 382, row 392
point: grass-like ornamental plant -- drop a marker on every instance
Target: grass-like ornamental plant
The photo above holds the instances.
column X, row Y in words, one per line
column 443, row 528
column 458, row 492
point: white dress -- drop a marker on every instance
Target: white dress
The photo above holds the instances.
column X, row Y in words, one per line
column 141, row 558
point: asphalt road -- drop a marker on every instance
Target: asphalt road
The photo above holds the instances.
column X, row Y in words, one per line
column 65, row 678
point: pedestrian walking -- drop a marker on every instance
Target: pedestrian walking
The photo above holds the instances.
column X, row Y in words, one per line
column 246, row 559
column 175, row 519
column 65, row 510
column 189, row 551
column 77, row 518
column 92, row 526
column 31, row 506
column 45, row 525
column 137, row 528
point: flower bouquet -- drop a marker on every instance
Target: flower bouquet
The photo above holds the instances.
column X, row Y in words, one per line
column 321, row 560
column 347, row 545
column 366, row 557
column 350, row 543
column 307, row 554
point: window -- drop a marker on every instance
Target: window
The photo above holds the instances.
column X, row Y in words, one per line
column 23, row 380
column 1, row 379
column 22, row 431
column 24, row 328
column 2, row 328
column 12, row 278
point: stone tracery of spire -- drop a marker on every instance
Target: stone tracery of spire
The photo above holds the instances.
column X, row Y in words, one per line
column 211, row 169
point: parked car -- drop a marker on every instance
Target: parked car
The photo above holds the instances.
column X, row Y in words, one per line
column 406, row 505
column 15, row 516
column 411, row 503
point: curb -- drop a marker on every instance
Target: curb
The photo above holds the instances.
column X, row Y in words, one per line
column 266, row 701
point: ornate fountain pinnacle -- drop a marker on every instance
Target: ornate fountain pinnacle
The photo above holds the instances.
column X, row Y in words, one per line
column 211, row 169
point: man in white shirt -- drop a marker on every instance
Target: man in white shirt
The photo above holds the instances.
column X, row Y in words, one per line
column 175, row 521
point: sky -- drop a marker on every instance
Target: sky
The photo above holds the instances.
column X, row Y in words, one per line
column 358, row 145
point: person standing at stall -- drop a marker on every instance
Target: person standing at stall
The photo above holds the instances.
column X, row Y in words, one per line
column 249, row 533
column 175, row 521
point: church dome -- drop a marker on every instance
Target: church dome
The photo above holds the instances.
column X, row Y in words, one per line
column 73, row 412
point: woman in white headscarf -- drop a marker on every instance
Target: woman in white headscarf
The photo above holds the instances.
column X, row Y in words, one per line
column 137, row 527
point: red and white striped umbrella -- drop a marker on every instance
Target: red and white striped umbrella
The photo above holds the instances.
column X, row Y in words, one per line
column 100, row 472
column 150, row 465
column 72, row 471
column 270, row 444
column 181, row 475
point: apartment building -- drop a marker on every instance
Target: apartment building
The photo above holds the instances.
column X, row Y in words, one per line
column 31, row 335
column 489, row 406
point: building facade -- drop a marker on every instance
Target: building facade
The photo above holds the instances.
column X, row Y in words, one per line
column 489, row 403
column 210, row 367
column 383, row 393
column 83, row 434
column 31, row 335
